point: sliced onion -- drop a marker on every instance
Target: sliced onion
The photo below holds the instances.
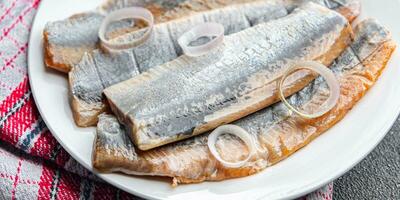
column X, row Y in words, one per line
column 330, row 78
column 126, row 13
column 234, row 130
column 208, row 29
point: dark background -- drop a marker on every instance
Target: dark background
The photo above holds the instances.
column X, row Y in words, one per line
column 378, row 175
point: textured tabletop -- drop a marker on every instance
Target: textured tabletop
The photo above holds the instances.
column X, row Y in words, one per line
column 378, row 175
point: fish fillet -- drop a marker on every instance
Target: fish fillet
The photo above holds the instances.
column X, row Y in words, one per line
column 278, row 133
column 348, row 8
column 98, row 70
column 191, row 95
column 87, row 79
column 66, row 41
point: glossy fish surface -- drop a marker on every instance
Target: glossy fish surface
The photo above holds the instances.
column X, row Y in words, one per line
column 277, row 132
column 66, row 41
column 191, row 95
column 87, row 79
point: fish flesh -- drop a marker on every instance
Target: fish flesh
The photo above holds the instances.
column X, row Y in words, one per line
column 191, row 95
column 348, row 8
column 168, row 10
column 87, row 82
column 98, row 69
column 87, row 85
column 277, row 132
column 87, row 79
column 66, row 41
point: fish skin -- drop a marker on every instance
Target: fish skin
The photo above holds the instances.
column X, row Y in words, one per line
column 189, row 96
column 86, row 112
column 66, row 41
column 350, row 9
column 278, row 133
column 160, row 48
column 97, row 71
column 83, row 39
column 62, row 52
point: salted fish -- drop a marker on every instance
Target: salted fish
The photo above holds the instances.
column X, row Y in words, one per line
column 191, row 95
column 66, row 41
column 349, row 8
column 278, row 133
column 87, row 83
column 98, row 70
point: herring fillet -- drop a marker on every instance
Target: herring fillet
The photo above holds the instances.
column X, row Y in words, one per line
column 191, row 95
column 66, row 41
column 278, row 134
column 62, row 51
column 87, row 80
column 348, row 8
column 98, row 70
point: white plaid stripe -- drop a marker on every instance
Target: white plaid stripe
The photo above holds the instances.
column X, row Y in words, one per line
column 22, row 184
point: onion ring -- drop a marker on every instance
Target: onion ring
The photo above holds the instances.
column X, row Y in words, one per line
column 208, row 29
column 330, row 78
column 234, row 130
column 126, row 13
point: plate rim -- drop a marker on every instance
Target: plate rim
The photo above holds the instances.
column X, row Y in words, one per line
column 385, row 128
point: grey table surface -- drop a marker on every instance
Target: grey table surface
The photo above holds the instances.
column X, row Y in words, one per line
column 378, row 175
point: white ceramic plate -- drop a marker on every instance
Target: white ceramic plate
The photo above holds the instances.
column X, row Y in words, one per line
column 323, row 160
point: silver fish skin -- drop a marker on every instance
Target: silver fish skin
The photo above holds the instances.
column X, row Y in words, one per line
column 348, row 8
column 64, row 46
column 98, row 70
column 190, row 95
column 334, row 4
column 87, row 85
column 112, row 5
column 277, row 132
column 158, row 49
column 163, row 47
column 66, row 41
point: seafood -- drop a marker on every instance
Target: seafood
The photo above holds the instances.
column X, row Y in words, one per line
column 87, row 108
column 66, row 41
column 348, row 8
column 278, row 133
column 191, row 95
column 98, row 70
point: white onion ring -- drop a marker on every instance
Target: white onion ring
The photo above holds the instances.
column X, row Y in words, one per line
column 208, row 29
column 234, row 130
column 330, row 78
column 126, row 13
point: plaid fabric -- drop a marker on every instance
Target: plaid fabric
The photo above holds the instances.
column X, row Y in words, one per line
column 32, row 164
column 27, row 177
